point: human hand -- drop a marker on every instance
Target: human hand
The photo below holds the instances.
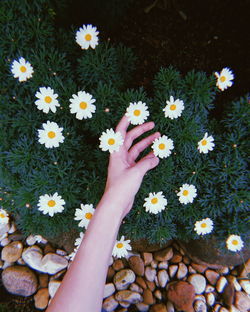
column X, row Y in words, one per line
column 124, row 173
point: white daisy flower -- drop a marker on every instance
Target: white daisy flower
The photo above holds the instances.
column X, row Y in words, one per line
column 137, row 113
column 234, row 243
column 22, row 69
column 79, row 240
column 162, row 146
column 224, row 78
column 50, row 135
column 110, row 141
column 187, row 193
column 4, row 217
column 155, row 202
column 205, row 226
column 71, row 256
column 206, row 144
column 47, row 100
column 174, row 108
column 121, row 248
column 84, row 215
column 51, row 204
column 82, row 105
column 87, row 36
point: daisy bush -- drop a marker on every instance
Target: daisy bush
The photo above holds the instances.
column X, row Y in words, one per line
column 62, row 96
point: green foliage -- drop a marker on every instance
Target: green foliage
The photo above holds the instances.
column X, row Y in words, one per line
column 77, row 168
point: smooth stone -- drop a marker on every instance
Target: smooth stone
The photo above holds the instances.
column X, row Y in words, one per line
column 212, row 276
column 200, row 306
column 199, row 267
column 20, row 261
column 53, row 287
column 221, row 283
column 147, row 257
column 245, row 284
column 158, row 307
column 136, row 288
column 110, row 304
column 128, row 296
column 216, row 308
column 12, row 228
column 163, row 278
column 31, row 240
column 19, row 280
column 233, row 309
column 210, row 299
column 156, row 281
column 191, row 270
column 124, row 304
column 200, row 297
column 53, row 263
column 170, row 307
column 118, row 265
column 32, row 256
column 1, row 264
column 223, row 271
column 142, row 307
column 151, row 285
column 148, row 297
column 41, row 298
column 182, row 271
column 186, row 260
column 5, row 241
column 2, row 236
column 198, row 281
column 223, row 309
column 228, row 294
column 110, row 274
column 141, row 282
column 163, row 265
column 137, row 265
column 245, row 269
column 234, row 281
column 158, row 294
column 172, row 270
column 154, row 264
column 242, row 301
column 123, row 279
column 7, row 264
column 177, row 258
column 209, row 288
column 43, row 280
column 4, row 228
column 109, row 289
column 150, row 274
column 61, row 252
column 164, row 254
column 12, row 252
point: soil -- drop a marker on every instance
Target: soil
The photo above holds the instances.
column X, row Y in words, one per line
column 201, row 35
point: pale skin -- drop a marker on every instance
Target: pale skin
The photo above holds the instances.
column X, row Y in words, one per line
column 83, row 285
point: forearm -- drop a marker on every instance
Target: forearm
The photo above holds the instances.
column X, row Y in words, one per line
column 83, row 283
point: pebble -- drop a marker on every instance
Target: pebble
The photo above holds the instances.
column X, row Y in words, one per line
column 170, row 307
column 177, row 258
column 163, row 278
column 21, row 261
column 5, row 241
column 217, row 308
column 150, row 274
column 61, row 252
column 124, row 304
column 110, row 274
column 32, row 256
column 110, row 304
column 209, row 288
column 223, row 270
column 212, row 276
column 1, row 264
column 172, row 270
column 142, row 307
column 154, row 264
column 200, row 297
column 159, row 307
column 228, row 294
column 245, row 284
column 31, row 240
column 53, row 263
column 151, row 285
column 118, row 265
column 12, row 228
column 148, row 297
column 210, row 299
column 163, row 265
column 223, row 309
column 128, row 296
column 199, row 267
column 41, row 298
column 147, row 257
column 158, row 294
column 191, row 270
column 164, row 254
column 136, row 288
column 234, row 281
column 123, row 279
column 19, row 280
column 12, row 252
column 198, row 281
column 242, row 301
column 7, row 264
column 200, row 306
column 245, row 269
column 221, row 283
column 4, row 228
column 137, row 265
column 53, row 287
column 182, row 271
column 43, row 280
column 186, row 260
column 109, row 289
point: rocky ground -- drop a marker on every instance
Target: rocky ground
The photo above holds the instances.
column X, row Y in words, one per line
column 162, row 281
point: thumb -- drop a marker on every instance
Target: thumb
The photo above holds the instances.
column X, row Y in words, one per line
column 148, row 162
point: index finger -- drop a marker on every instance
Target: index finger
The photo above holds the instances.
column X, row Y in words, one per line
column 123, row 126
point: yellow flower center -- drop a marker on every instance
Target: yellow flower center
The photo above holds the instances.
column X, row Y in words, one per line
column 222, row 78
column 235, row 242
column 185, row 192
column 162, row 146
column 137, row 112
column 111, row 141
column 51, row 203
column 88, row 37
column 119, row 245
column 88, row 215
column 23, row 69
column 204, row 142
column 203, row 225
column 47, row 99
column 154, row 200
column 51, row 134
column 2, row 215
column 173, row 107
column 83, row 105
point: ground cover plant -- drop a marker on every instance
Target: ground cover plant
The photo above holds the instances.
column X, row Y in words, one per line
column 60, row 92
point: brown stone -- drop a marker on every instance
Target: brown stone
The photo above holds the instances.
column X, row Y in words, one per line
column 19, row 280
column 43, row 280
column 128, row 296
column 118, row 265
column 245, row 269
column 177, row 257
column 141, row 282
column 147, row 257
column 110, row 274
column 164, row 254
column 242, row 301
column 151, row 285
column 199, row 267
column 12, row 252
column 182, row 271
column 110, row 304
column 148, row 296
column 49, row 249
column 137, row 265
column 17, row 236
column 186, row 260
column 212, row 276
column 41, row 298
column 159, row 307
column 228, row 294
column 181, row 294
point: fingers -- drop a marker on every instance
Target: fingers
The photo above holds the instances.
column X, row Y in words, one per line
column 135, row 151
column 123, row 126
column 136, row 132
column 147, row 163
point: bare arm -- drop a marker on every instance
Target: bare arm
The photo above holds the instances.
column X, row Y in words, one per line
column 83, row 285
